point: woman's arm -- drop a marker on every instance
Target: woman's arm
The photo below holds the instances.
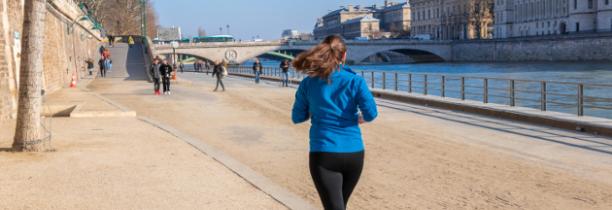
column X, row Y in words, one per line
column 365, row 101
column 300, row 112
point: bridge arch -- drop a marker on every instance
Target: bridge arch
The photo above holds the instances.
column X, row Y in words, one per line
column 399, row 54
column 281, row 54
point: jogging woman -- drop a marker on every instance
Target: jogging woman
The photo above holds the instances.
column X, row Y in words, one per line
column 331, row 97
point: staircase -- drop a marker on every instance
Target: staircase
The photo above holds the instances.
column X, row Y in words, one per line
column 128, row 63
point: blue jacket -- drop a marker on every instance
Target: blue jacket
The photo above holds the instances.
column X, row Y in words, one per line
column 332, row 108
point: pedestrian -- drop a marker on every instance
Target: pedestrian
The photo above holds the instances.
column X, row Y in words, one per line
column 336, row 100
column 108, row 64
column 111, row 40
column 106, row 53
column 220, row 71
column 90, row 66
column 285, row 72
column 131, row 41
column 156, row 75
column 257, row 68
column 166, row 72
column 195, row 65
column 102, row 64
column 182, row 66
column 102, row 49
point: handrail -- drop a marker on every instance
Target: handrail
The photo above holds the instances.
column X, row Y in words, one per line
column 505, row 91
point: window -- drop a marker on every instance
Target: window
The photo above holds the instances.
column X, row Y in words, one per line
column 575, row 4
column 590, row 4
column 577, row 27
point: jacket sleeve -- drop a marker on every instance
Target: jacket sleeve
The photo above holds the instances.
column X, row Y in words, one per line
column 365, row 101
column 300, row 112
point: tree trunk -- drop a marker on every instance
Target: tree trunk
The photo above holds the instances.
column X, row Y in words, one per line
column 29, row 133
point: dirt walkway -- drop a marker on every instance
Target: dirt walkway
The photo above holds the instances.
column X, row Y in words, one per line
column 416, row 158
column 118, row 163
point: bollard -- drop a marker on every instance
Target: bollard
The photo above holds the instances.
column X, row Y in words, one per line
column 543, row 96
column 485, row 91
column 581, row 99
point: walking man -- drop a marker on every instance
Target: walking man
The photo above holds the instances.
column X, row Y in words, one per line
column 155, row 73
column 166, row 72
column 285, row 72
column 257, row 68
column 102, row 64
column 220, row 71
column 182, row 67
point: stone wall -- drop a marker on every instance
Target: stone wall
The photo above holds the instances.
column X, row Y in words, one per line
column 579, row 48
column 68, row 44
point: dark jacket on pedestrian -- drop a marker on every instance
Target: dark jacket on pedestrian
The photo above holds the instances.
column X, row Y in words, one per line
column 155, row 71
column 165, row 70
column 218, row 71
column 257, row 66
column 285, row 66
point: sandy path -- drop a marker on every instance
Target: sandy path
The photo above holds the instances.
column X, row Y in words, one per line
column 120, row 163
column 412, row 161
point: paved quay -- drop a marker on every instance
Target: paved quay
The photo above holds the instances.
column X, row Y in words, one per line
column 417, row 157
column 117, row 163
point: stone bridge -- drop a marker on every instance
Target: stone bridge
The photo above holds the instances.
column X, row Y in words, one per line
column 240, row 52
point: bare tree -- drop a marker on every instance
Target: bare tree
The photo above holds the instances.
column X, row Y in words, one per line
column 123, row 16
column 28, row 133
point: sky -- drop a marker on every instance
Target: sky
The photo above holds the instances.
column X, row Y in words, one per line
column 247, row 18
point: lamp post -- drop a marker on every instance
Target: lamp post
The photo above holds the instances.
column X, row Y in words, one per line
column 143, row 17
column 174, row 45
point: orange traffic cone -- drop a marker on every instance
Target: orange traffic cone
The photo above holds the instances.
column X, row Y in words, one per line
column 73, row 81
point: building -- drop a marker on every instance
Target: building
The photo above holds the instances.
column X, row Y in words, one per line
column 165, row 34
column 521, row 18
column 392, row 19
column 395, row 18
column 332, row 22
column 366, row 27
column 452, row 19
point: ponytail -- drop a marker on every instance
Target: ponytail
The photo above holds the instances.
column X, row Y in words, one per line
column 323, row 59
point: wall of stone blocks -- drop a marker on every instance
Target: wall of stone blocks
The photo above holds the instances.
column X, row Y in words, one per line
column 66, row 48
column 576, row 49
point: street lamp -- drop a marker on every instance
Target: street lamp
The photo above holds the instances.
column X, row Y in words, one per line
column 143, row 17
column 228, row 27
column 174, row 45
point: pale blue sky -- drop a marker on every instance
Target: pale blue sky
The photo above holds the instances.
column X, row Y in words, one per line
column 266, row 18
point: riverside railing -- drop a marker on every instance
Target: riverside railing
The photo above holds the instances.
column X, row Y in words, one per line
column 581, row 99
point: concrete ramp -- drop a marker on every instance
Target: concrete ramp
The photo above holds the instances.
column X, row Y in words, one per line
column 128, row 63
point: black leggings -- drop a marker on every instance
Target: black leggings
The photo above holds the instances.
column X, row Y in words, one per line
column 335, row 175
column 166, row 84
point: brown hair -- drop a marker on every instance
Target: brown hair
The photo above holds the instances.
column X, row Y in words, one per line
column 323, row 59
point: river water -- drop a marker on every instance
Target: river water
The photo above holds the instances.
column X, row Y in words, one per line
column 561, row 97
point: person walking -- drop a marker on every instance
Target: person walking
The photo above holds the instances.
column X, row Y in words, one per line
column 257, row 68
column 285, row 72
column 182, row 67
column 102, row 64
column 166, row 73
column 220, row 71
column 131, row 41
column 111, row 40
column 156, row 75
column 336, row 100
column 90, row 66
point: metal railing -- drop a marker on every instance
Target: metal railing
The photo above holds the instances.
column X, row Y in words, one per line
column 580, row 99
